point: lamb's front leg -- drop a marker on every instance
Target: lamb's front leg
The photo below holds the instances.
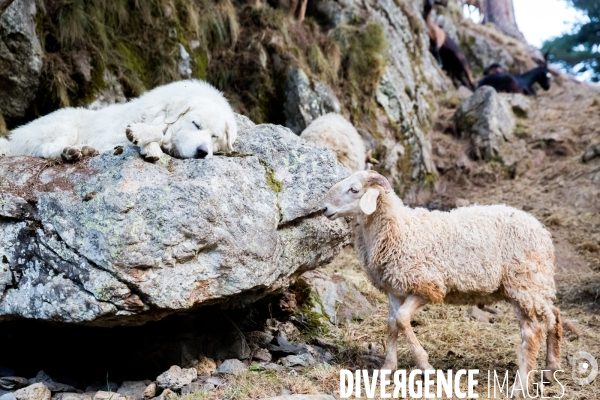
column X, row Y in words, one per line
column 391, row 357
column 403, row 318
column 148, row 138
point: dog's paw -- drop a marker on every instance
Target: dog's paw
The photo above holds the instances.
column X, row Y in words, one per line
column 71, row 154
column 88, row 151
column 151, row 152
column 143, row 134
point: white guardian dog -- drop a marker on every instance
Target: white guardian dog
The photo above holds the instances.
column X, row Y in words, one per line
column 186, row 119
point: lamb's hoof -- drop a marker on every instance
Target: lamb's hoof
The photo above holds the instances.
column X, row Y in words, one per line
column 71, row 154
column 549, row 375
column 88, row 151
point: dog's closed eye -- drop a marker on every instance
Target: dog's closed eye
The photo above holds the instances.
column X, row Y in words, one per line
column 198, row 126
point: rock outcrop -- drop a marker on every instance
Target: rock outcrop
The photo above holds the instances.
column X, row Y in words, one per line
column 20, row 58
column 487, row 120
column 405, row 110
column 335, row 298
column 306, row 101
column 114, row 240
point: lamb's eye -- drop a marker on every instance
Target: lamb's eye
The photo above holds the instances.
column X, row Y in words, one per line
column 353, row 190
column 197, row 125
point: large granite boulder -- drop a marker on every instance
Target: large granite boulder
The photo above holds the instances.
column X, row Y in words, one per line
column 487, row 120
column 20, row 58
column 115, row 240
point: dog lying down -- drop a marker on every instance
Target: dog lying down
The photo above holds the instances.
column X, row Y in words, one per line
column 186, row 119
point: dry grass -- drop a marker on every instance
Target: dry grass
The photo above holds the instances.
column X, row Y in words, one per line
column 452, row 340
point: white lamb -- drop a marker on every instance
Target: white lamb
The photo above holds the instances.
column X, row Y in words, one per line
column 336, row 133
column 472, row 255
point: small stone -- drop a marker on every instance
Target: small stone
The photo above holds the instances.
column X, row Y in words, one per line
column 258, row 338
column 166, row 395
column 41, row 376
column 176, row 377
column 37, row 391
column 231, row 367
column 103, row 386
column 262, row 355
column 72, row 396
column 206, row 366
column 102, row 395
column 273, row 367
column 591, row 152
column 336, row 298
column 302, row 360
column 289, row 330
column 133, row 389
column 282, row 347
column 214, row 380
column 319, row 353
column 476, row 314
column 192, row 387
column 150, row 390
column 13, row 383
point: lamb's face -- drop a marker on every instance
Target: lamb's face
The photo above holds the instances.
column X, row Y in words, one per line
column 343, row 199
column 354, row 195
column 197, row 135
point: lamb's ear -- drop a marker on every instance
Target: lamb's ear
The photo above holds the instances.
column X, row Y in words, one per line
column 368, row 202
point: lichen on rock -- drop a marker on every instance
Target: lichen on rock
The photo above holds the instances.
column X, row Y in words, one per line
column 162, row 238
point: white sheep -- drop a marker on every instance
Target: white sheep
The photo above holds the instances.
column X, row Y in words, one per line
column 336, row 133
column 472, row 255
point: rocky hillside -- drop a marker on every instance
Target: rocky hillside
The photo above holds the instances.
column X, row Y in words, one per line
column 367, row 60
column 225, row 286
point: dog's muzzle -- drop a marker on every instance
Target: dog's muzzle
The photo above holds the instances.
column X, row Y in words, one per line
column 201, row 151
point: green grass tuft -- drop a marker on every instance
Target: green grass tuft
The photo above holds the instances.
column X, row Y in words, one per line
column 364, row 51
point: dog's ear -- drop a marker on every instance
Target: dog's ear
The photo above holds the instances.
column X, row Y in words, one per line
column 173, row 113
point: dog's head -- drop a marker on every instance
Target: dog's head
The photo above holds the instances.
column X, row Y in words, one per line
column 197, row 121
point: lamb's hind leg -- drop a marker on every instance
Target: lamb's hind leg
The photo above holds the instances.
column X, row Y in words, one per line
column 553, row 346
column 531, row 332
column 403, row 318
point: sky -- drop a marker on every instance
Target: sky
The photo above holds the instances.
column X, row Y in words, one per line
column 540, row 20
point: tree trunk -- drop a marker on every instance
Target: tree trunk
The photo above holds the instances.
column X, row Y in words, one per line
column 502, row 14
